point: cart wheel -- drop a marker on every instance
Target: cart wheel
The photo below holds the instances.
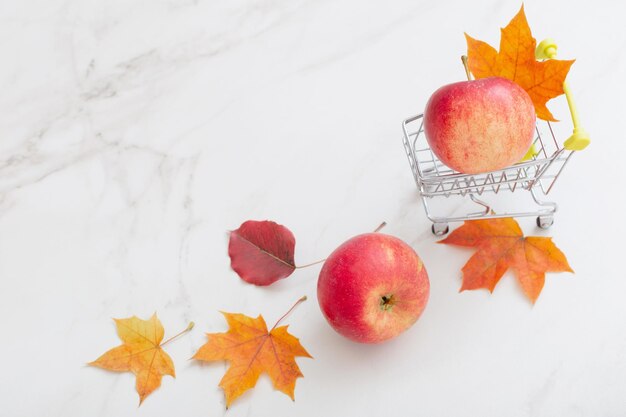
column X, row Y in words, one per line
column 544, row 222
column 440, row 229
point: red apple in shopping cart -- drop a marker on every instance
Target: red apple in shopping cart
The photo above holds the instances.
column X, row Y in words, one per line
column 372, row 288
column 480, row 125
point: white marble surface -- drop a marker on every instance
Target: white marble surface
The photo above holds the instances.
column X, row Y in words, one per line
column 134, row 134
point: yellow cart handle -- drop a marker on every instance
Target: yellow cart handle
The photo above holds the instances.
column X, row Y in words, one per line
column 580, row 138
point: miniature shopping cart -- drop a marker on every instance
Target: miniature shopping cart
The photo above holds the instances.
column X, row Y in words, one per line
column 536, row 174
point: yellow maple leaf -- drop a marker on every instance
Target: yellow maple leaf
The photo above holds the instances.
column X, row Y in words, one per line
column 542, row 80
column 251, row 351
column 141, row 353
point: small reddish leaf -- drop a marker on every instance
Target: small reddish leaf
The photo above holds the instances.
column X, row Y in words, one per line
column 502, row 245
column 262, row 252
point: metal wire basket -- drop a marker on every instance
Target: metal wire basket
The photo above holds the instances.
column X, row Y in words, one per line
column 536, row 175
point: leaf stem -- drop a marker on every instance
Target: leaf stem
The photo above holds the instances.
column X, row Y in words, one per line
column 311, row 264
column 303, row 298
column 189, row 327
column 466, row 66
column 380, row 226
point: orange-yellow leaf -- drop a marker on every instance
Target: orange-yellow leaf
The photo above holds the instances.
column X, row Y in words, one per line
column 483, row 58
column 140, row 354
column 542, row 80
column 251, row 351
column 502, row 245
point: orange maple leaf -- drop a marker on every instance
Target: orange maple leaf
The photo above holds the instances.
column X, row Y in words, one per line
column 140, row 353
column 542, row 80
column 252, row 350
column 502, row 245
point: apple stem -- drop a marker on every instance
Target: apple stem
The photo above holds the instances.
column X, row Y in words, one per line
column 189, row 327
column 303, row 298
column 380, row 226
column 467, row 71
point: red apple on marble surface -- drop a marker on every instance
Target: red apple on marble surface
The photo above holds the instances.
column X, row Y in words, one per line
column 372, row 288
column 481, row 125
